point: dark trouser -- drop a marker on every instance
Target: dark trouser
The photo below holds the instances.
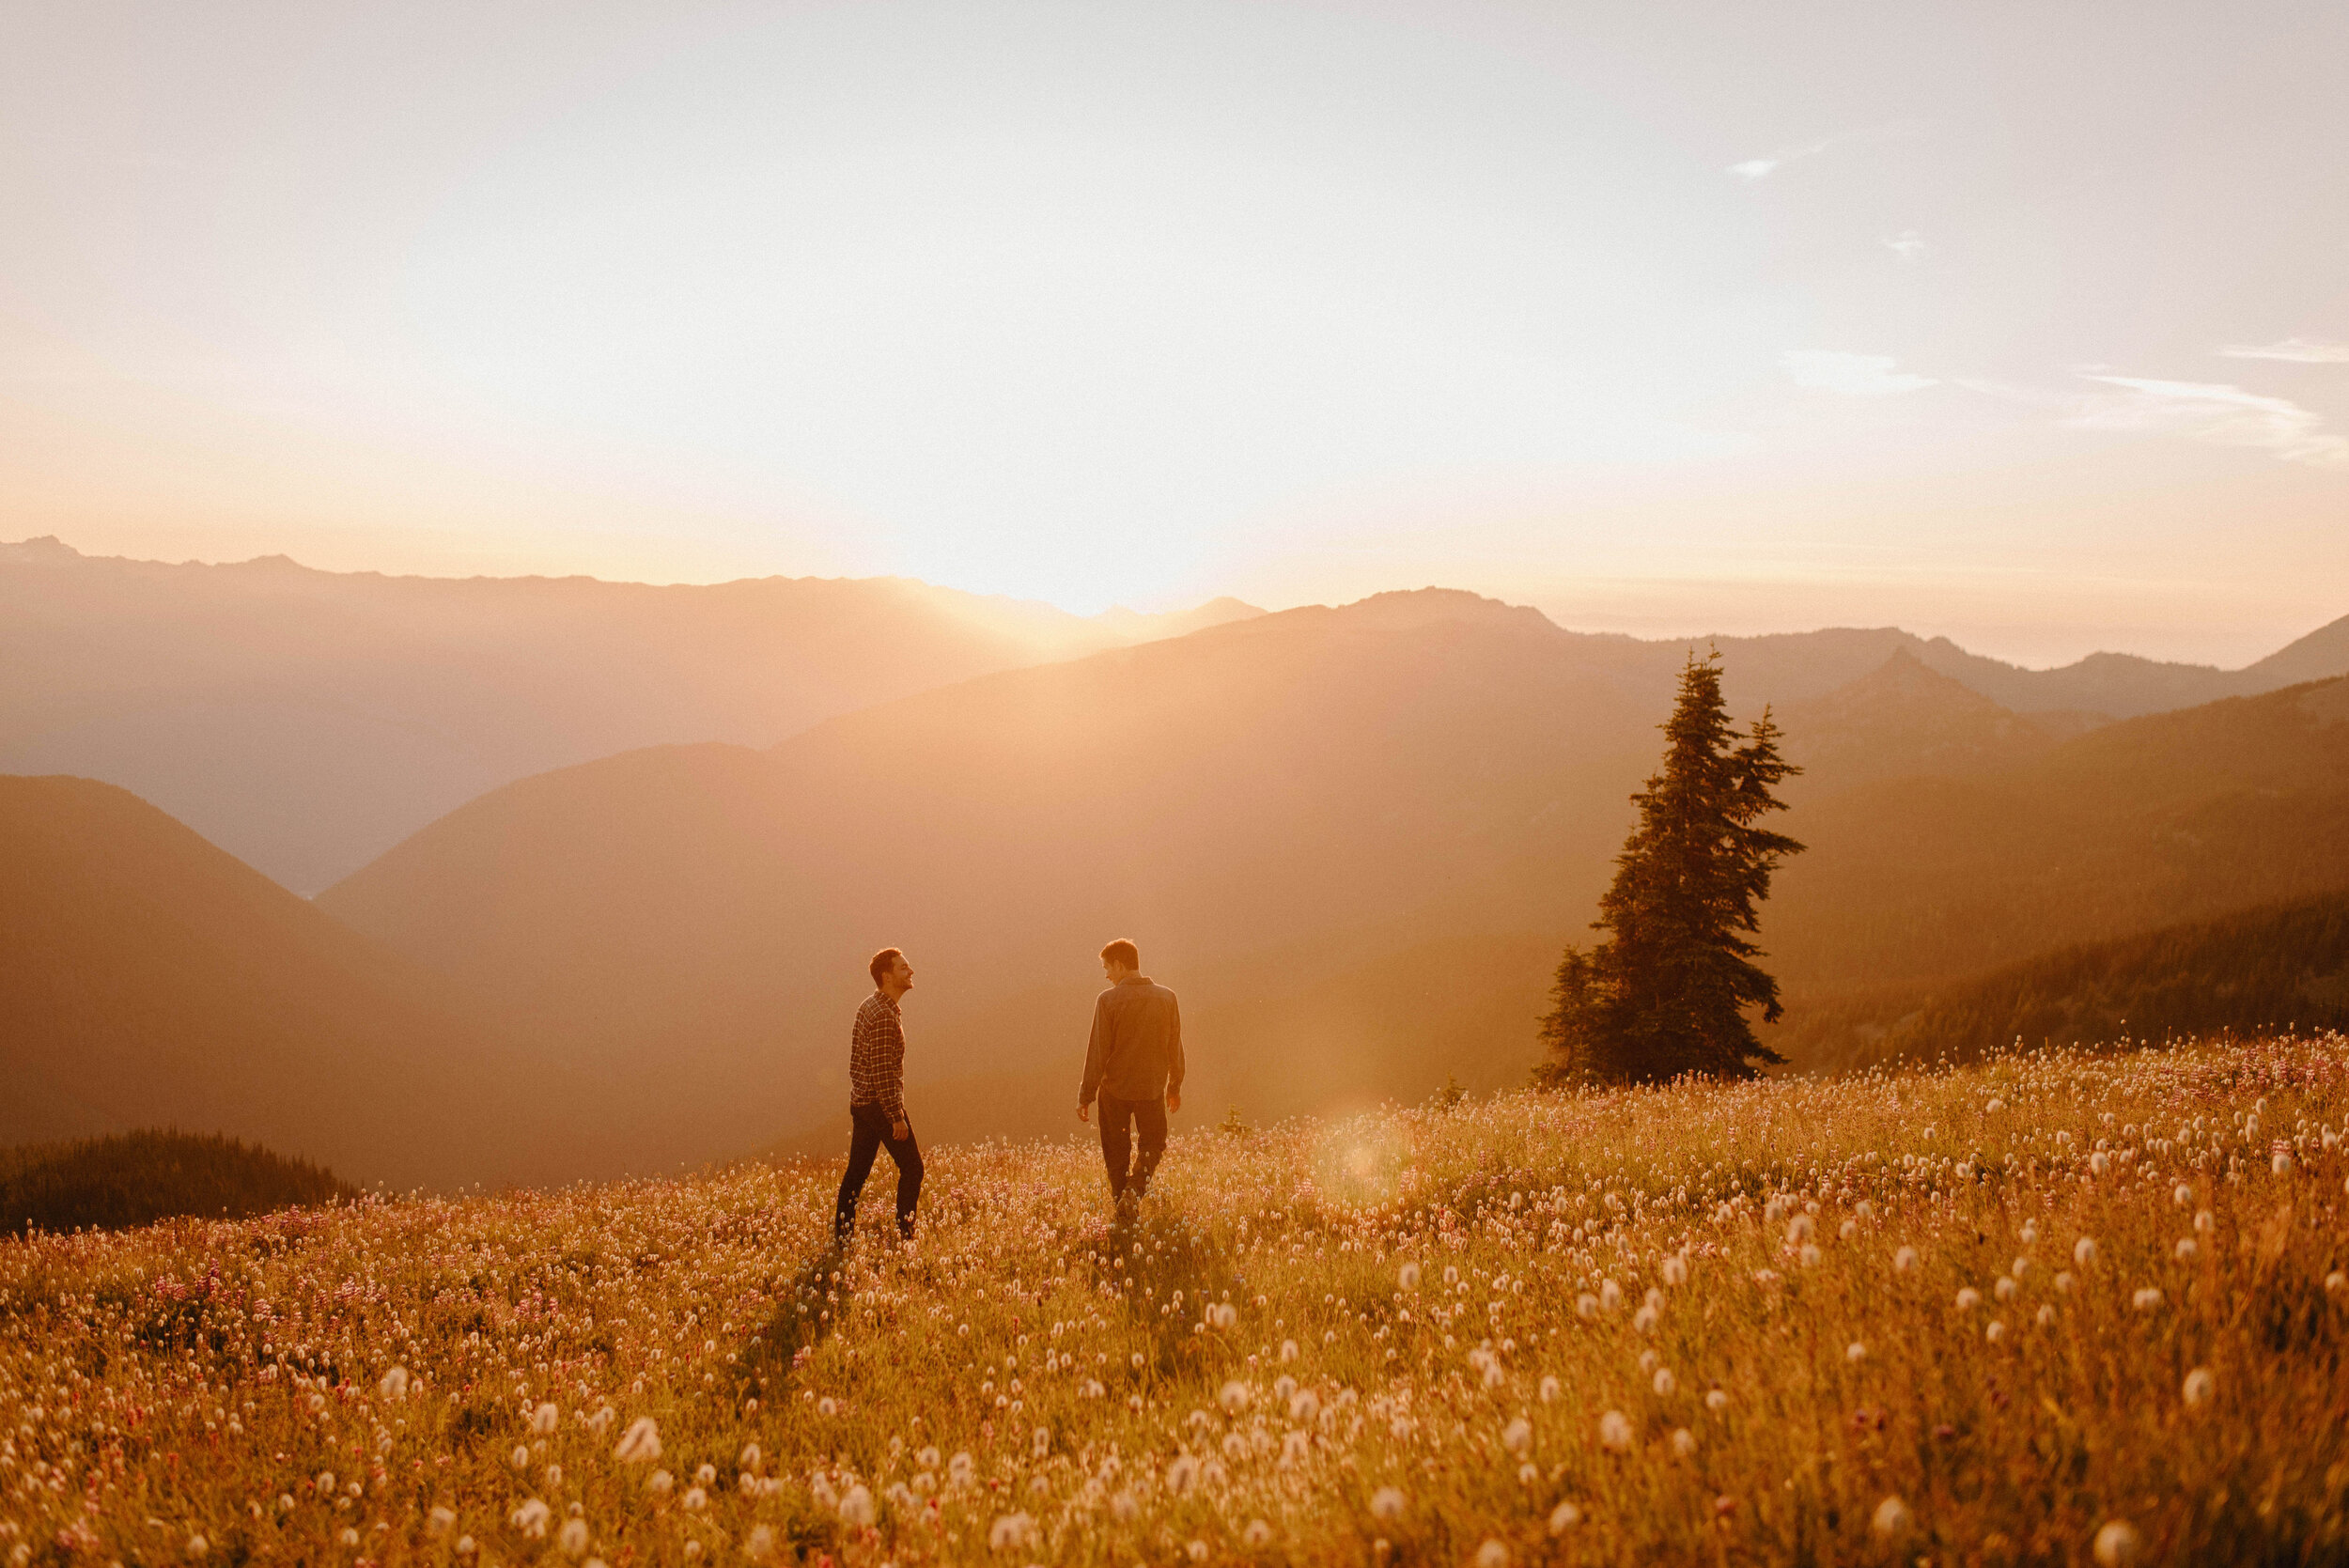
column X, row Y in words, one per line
column 1149, row 1118
column 871, row 1135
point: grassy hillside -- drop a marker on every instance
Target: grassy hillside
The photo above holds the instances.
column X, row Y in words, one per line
column 2277, row 966
column 136, row 1178
column 1992, row 1314
column 147, row 978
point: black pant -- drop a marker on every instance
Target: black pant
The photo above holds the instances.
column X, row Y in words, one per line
column 1149, row 1118
column 872, row 1135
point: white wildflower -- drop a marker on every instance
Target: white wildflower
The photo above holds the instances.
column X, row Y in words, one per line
column 2117, row 1544
column 639, row 1444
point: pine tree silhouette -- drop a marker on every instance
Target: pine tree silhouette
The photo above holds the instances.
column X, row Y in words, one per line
column 1666, row 992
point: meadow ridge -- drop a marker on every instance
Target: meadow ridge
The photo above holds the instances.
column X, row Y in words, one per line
column 2061, row 1307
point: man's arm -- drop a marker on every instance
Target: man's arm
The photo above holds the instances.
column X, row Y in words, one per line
column 1173, row 1054
column 893, row 1093
column 1096, row 1056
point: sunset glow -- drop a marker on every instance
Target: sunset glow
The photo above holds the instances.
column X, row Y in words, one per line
column 2029, row 328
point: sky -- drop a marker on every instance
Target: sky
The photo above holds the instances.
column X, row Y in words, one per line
column 2025, row 324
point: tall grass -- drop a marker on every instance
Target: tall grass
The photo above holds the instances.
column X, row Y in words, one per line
column 2058, row 1308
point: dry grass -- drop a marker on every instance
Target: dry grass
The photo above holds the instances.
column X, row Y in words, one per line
column 1878, row 1319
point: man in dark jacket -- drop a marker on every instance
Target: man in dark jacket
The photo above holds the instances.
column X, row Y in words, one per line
column 877, row 1107
column 1134, row 1063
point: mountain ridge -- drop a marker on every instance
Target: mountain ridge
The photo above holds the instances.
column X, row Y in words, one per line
column 307, row 721
column 1338, row 784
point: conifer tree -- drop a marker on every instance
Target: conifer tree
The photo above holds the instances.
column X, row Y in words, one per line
column 1666, row 992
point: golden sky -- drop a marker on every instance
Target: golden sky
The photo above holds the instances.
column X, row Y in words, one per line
column 2028, row 324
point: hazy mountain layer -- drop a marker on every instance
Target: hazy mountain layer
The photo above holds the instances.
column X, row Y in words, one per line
column 2139, row 825
column 1269, row 807
column 149, row 979
column 307, row 721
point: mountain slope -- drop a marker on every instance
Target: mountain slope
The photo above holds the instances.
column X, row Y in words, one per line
column 1263, row 805
column 149, row 979
column 307, row 721
column 1907, row 718
column 1267, row 806
column 2273, row 967
column 2136, row 826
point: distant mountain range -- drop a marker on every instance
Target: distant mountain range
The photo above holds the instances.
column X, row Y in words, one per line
column 1354, row 839
column 307, row 721
column 1273, row 806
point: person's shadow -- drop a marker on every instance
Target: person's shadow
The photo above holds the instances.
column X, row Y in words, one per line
column 1149, row 1258
column 807, row 1308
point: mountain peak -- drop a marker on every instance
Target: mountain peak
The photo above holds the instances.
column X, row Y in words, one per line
column 1409, row 608
column 2322, row 653
column 48, row 549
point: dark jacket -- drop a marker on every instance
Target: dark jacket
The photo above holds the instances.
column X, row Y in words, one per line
column 1136, row 1053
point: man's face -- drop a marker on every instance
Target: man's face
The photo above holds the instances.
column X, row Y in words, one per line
column 903, row 973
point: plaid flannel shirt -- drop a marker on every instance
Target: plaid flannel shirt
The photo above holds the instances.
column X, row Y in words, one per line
column 876, row 1057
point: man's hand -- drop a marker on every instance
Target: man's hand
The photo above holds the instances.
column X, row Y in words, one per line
column 899, row 1131
column 1084, row 1111
column 1174, row 1099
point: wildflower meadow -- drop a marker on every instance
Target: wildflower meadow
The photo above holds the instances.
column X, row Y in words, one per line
column 2062, row 1306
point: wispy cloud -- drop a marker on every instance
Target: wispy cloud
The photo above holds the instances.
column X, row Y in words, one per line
column 1757, row 168
column 1770, row 162
column 1852, row 375
column 1908, row 246
column 2212, row 411
column 2297, row 350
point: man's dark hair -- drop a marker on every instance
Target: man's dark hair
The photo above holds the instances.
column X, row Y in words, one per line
column 1122, row 952
column 883, row 961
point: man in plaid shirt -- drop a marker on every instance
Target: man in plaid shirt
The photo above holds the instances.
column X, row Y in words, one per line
column 877, row 1107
